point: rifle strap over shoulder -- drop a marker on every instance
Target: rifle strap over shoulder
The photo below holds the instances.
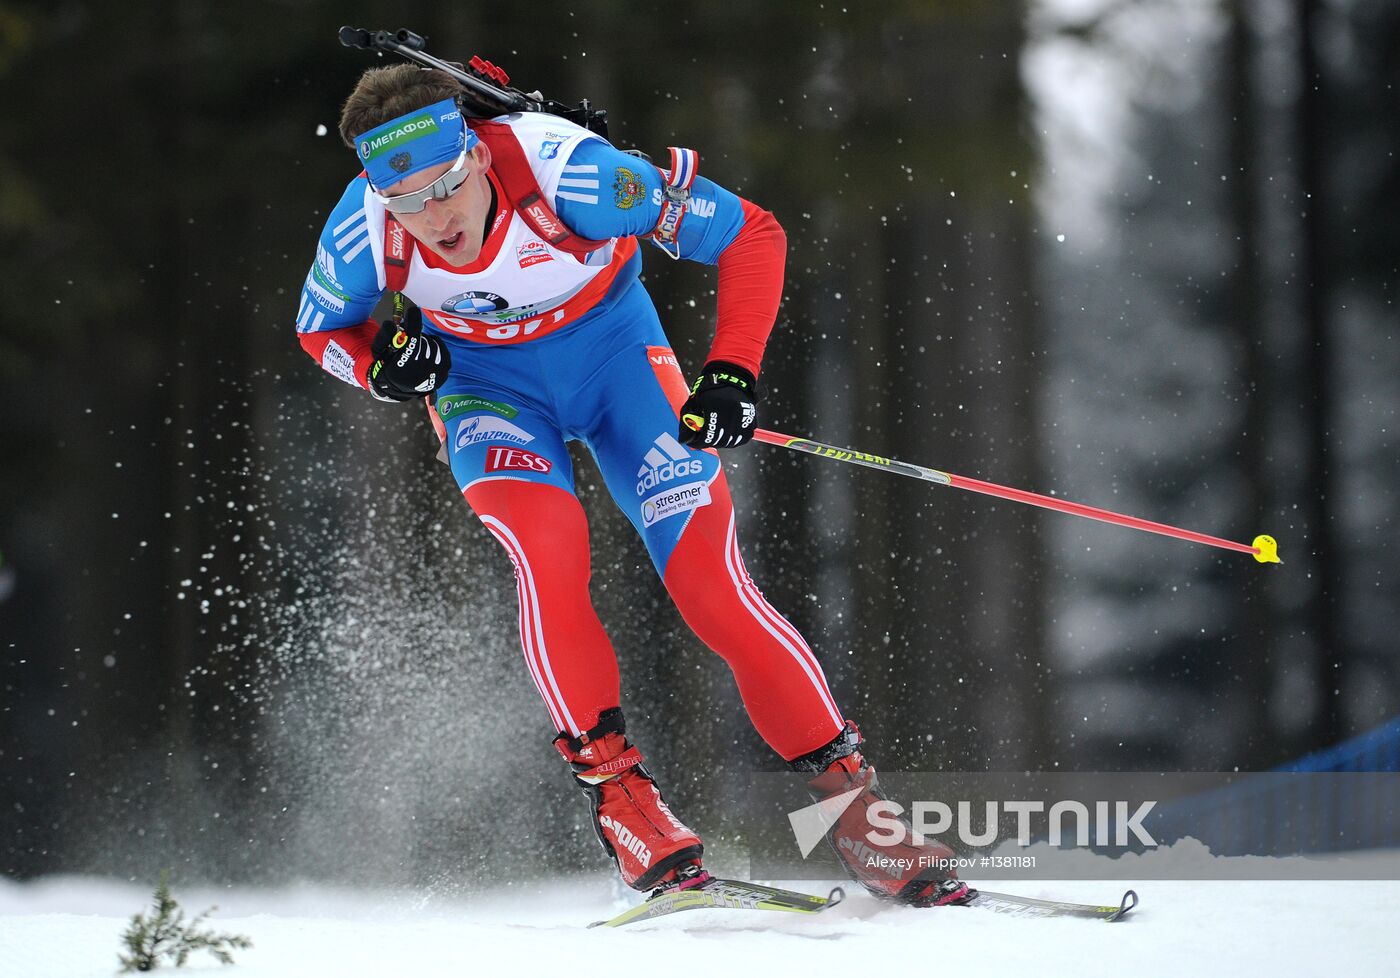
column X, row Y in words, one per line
column 518, row 180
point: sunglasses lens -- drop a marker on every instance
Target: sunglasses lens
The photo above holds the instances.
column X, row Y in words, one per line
column 440, row 189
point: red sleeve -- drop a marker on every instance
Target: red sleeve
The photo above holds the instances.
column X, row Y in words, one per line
column 343, row 352
column 750, row 288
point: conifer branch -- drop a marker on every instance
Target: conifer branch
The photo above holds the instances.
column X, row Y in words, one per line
column 166, row 935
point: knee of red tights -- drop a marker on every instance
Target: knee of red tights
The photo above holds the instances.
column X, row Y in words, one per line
column 538, row 519
column 705, row 574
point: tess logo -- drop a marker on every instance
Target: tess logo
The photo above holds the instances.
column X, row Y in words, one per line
column 503, row 457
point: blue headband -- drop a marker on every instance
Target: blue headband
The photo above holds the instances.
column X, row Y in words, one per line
column 414, row 141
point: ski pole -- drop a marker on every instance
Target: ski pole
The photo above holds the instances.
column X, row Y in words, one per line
column 1264, row 548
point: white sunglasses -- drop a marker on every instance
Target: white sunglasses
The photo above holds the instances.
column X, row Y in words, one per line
column 440, row 189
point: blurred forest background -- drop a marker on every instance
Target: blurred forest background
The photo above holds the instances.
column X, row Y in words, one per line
column 1141, row 254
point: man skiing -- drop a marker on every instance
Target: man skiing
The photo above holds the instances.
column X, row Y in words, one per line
column 517, row 241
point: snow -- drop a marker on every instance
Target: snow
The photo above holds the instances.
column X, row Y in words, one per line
column 69, row 927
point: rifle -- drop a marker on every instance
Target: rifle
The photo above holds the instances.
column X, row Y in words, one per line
column 488, row 92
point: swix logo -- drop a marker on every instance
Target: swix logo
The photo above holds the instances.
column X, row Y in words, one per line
column 626, row 839
column 664, row 358
column 500, row 457
column 868, row 857
column 675, row 463
column 397, row 239
column 544, row 221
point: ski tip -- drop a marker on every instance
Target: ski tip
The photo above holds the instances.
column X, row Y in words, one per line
column 1266, row 549
column 1130, row 900
column 834, row 897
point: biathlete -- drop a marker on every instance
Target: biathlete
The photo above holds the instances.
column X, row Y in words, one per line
column 517, row 240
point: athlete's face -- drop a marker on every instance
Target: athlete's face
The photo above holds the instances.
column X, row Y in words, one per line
column 451, row 228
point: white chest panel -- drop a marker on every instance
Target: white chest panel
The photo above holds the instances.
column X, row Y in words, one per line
column 523, row 281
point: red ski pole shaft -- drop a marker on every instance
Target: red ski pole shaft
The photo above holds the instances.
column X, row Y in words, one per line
column 1264, row 548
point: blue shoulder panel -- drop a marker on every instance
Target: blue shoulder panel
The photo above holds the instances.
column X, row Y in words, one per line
column 606, row 193
column 342, row 287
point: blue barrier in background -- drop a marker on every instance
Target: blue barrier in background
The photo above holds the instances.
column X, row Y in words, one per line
column 1336, row 799
column 1376, row 750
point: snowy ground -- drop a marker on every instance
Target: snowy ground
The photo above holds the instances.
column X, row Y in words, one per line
column 68, row 928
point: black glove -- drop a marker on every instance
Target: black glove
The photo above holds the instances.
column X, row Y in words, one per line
column 722, row 410
column 407, row 364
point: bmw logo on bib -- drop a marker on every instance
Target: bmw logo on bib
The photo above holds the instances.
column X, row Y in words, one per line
column 475, row 303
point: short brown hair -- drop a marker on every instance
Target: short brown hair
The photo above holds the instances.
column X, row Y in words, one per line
column 382, row 94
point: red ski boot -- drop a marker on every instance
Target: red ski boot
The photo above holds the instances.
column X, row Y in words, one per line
column 917, row 875
column 651, row 847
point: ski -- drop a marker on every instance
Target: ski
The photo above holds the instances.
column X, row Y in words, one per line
column 1019, row 906
column 725, row 895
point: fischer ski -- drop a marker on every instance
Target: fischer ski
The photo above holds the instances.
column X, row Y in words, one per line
column 725, row 894
column 1019, row 906
column 712, row 892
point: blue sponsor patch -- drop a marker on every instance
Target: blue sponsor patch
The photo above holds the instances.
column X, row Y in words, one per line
column 324, row 298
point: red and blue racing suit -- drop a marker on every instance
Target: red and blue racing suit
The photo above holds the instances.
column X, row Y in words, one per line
column 549, row 347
